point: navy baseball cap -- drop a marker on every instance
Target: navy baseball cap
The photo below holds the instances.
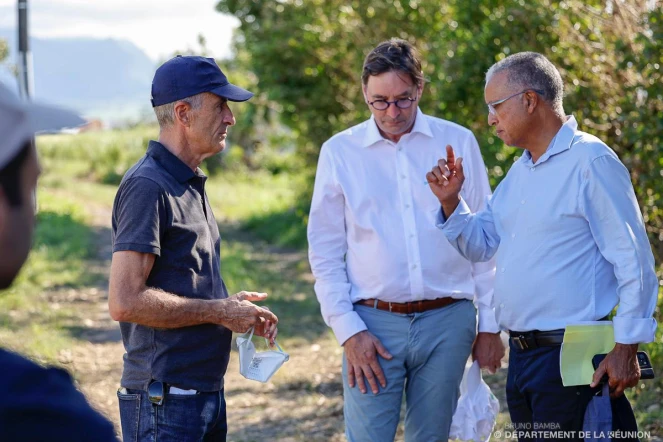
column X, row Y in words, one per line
column 186, row 76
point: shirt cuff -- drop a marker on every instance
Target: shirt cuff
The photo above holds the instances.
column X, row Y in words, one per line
column 347, row 325
column 634, row 330
column 455, row 224
column 487, row 322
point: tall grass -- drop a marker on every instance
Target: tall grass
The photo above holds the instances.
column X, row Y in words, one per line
column 101, row 157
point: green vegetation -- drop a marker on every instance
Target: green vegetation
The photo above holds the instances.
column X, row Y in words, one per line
column 58, row 261
column 249, row 266
column 304, row 58
column 89, row 156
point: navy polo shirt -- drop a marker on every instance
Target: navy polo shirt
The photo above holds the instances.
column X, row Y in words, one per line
column 161, row 208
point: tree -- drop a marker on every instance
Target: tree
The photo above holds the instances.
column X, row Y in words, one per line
column 306, row 57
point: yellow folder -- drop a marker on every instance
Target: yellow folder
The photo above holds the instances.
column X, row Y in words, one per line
column 581, row 342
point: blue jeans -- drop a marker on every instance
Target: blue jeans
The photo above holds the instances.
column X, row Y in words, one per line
column 537, row 399
column 181, row 418
column 429, row 352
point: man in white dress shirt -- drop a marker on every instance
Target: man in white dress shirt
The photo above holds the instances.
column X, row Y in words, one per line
column 570, row 245
column 396, row 294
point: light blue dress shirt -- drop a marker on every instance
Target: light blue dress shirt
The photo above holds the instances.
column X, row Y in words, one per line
column 569, row 241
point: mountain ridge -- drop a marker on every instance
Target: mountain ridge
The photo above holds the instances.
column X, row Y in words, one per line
column 107, row 78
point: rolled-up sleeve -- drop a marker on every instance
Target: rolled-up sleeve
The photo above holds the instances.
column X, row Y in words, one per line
column 327, row 249
column 476, row 191
column 611, row 209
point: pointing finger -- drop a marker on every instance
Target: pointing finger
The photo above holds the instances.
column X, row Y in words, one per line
column 451, row 158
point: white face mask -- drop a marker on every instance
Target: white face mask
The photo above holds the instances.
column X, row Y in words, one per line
column 258, row 366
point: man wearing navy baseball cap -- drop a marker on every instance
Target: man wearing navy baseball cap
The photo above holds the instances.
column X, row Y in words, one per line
column 166, row 288
column 36, row 403
column 183, row 77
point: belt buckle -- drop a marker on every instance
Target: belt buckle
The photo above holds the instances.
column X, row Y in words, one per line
column 521, row 342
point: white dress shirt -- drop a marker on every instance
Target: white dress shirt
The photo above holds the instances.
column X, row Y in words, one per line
column 569, row 240
column 372, row 226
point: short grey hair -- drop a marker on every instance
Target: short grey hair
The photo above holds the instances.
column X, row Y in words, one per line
column 166, row 112
column 531, row 70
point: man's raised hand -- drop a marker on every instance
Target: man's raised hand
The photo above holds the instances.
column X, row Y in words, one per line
column 445, row 181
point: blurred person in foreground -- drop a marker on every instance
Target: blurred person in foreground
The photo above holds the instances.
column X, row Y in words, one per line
column 166, row 289
column 35, row 403
column 569, row 241
column 398, row 297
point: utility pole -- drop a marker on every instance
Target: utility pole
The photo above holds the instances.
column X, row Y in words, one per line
column 24, row 54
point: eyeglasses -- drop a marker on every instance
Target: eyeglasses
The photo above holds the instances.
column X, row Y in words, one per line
column 403, row 103
column 492, row 105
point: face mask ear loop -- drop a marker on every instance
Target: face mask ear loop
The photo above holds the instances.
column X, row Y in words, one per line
column 275, row 343
column 251, row 331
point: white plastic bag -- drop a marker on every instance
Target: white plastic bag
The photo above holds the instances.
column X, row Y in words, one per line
column 258, row 366
column 477, row 408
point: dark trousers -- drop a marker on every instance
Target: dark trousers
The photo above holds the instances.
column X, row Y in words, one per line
column 539, row 403
column 181, row 418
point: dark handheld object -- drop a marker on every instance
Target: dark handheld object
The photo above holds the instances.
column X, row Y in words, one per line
column 156, row 392
column 646, row 369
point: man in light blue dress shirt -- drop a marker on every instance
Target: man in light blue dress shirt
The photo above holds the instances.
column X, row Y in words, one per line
column 569, row 242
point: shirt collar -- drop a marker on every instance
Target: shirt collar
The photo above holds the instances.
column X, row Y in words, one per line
column 173, row 165
column 561, row 142
column 373, row 134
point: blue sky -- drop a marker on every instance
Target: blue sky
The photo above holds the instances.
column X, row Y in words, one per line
column 174, row 25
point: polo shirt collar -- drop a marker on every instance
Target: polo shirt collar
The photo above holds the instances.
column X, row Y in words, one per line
column 173, row 165
column 561, row 142
column 373, row 134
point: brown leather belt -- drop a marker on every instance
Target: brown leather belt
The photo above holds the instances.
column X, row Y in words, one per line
column 408, row 307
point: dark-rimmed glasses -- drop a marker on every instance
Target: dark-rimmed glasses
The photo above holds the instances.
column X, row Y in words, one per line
column 492, row 104
column 401, row 103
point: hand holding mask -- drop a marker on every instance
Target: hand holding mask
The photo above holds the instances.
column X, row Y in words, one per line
column 258, row 366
